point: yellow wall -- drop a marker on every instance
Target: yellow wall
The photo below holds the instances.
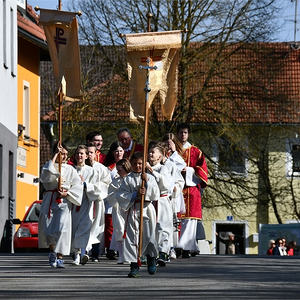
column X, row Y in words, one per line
column 28, row 70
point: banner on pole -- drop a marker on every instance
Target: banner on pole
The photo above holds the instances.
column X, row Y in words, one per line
column 61, row 30
column 162, row 49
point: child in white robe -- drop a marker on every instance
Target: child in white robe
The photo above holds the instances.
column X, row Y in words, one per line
column 164, row 226
column 174, row 152
column 119, row 216
column 130, row 193
column 55, row 223
column 82, row 216
column 97, row 230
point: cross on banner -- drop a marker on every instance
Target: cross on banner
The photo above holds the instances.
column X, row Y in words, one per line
column 148, row 68
column 151, row 58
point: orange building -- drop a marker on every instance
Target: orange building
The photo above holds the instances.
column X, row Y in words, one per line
column 32, row 48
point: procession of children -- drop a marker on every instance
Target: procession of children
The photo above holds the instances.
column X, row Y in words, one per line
column 92, row 205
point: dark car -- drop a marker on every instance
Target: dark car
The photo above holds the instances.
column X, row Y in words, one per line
column 26, row 237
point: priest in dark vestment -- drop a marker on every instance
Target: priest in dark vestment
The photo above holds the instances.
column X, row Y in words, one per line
column 129, row 145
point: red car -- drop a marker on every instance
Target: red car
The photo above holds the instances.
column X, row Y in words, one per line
column 26, row 237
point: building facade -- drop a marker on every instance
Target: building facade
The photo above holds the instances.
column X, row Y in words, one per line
column 8, row 116
column 32, row 47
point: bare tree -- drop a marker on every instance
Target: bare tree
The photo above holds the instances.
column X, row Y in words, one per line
column 215, row 35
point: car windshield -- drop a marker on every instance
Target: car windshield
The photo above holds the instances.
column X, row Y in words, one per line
column 33, row 215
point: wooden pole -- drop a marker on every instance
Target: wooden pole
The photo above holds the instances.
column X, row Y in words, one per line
column 145, row 153
column 60, row 118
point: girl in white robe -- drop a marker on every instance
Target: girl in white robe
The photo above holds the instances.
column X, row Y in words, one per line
column 115, row 154
column 164, row 226
column 83, row 215
column 119, row 216
column 55, row 223
column 130, row 192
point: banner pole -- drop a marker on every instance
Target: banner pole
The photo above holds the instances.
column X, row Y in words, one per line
column 145, row 153
column 60, row 116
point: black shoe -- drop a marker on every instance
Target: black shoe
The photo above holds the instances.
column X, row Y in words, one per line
column 111, row 255
column 185, row 254
column 151, row 265
column 194, row 253
column 161, row 261
column 134, row 270
column 178, row 252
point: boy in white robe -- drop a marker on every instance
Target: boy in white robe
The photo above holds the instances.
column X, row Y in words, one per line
column 130, row 193
column 83, row 215
column 164, row 226
column 55, row 223
column 97, row 231
column 175, row 164
column 119, row 216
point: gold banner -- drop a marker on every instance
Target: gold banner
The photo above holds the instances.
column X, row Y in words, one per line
column 61, row 30
column 162, row 49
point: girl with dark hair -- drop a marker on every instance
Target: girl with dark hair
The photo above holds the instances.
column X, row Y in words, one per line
column 115, row 154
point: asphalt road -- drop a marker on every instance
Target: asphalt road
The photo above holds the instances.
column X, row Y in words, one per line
column 28, row 276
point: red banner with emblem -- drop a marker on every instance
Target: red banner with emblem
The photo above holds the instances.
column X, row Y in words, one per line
column 61, row 31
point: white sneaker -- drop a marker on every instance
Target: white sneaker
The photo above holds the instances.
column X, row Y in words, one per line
column 60, row 263
column 76, row 261
column 84, row 259
column 172, row 254
column 52, row 259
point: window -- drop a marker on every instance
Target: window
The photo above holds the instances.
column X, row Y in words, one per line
column 229, row 158
column 26, row 108
column 4, row 36
column 293, row 157
column 12, row 43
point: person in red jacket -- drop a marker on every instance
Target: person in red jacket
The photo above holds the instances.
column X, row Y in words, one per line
column 271, row 246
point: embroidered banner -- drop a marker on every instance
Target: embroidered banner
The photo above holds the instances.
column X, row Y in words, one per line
column 162, row 49
column 61, row 30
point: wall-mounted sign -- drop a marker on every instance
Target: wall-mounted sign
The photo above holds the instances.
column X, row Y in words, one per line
column 21, row 157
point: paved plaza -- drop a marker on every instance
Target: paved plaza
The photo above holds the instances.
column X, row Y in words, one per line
column 28, row 276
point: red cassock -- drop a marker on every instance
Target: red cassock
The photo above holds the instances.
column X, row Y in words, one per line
column 192, row 196
column 135, row 148
column 100, row 157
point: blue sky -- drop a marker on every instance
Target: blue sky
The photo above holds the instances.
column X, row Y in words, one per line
column 286, row 33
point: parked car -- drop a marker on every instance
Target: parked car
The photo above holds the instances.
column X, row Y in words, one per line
column 26, row 237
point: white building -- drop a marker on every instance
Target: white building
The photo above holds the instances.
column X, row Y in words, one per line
column 8, row 113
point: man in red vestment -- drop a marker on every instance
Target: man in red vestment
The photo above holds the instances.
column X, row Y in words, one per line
column 195, row 175
column 129, row 145
column 96, row 139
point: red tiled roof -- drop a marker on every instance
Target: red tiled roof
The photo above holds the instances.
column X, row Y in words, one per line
column 30, row 26
column 245, row 83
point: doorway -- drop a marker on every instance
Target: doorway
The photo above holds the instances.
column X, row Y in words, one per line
column 224, row 229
